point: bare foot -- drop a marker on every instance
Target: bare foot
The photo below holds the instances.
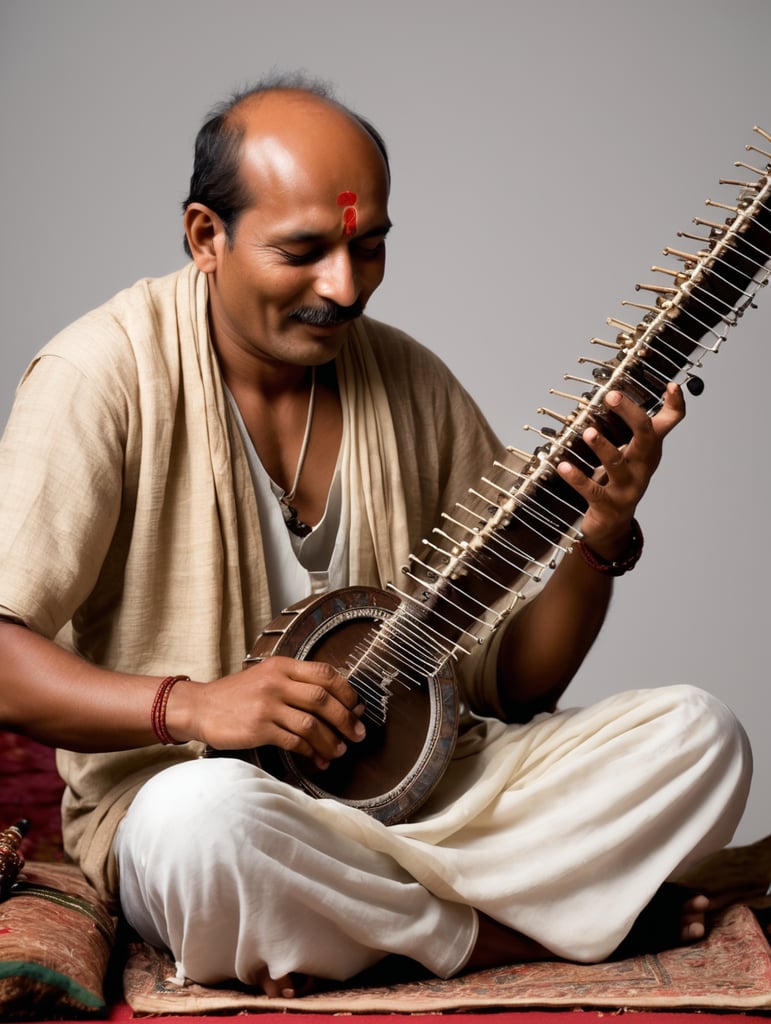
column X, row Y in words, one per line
column 675, row 916
column 291, row 986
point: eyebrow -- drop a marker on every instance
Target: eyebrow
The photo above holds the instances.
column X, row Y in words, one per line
column 305, row 237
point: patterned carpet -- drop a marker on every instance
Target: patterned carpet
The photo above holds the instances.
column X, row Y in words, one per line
column 731, row 970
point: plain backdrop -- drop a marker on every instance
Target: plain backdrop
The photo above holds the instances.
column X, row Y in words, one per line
column 543, row 154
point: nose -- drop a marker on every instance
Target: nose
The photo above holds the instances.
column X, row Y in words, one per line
column 337, row 278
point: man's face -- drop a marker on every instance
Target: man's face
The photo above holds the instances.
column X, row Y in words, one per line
column 309, row 252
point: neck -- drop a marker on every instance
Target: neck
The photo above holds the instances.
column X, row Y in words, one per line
column 261, row 379
column 252, row 374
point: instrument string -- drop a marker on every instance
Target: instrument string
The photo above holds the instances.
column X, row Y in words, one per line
column 480, row 622
column 530, row 507
column 497, row 533
column 401, row 638
column 442, row 596
column 413, row 656
column 455, row 588
column 563, row 501
column 730, row 307
column 374, row 691
column 495, row 539
column 409, row 622
column 673, row 326
column 767, row 208
column 470, row 563
column 743, row 240
column 463, row 562
column 389, row 649
column 422, row 629
column 377, row 683
column 436, row 614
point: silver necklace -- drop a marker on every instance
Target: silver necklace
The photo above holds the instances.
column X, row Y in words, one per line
column 293, row 522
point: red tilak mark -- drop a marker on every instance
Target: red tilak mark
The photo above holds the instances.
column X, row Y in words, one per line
column 347, row 199
column 349, row 220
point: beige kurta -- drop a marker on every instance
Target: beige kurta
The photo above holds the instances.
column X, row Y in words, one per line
column 128, row 521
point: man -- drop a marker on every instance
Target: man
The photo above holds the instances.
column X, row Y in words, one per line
column 210, row 447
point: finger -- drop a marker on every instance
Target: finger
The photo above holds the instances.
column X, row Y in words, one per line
column 320, row 673
column 589, row 489
column 672, row 411
column 635, row 417
column 613, row 460
column 301, row 733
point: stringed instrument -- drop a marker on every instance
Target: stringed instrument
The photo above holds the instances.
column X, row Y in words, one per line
column 398, row 646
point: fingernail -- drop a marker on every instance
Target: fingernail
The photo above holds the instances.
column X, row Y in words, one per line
column 340, row 749
column 359, row 731
column 287, row 993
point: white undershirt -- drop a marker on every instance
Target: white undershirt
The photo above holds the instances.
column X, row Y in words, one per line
column 299, row 566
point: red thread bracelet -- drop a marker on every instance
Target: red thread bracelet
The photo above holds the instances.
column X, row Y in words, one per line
column 618, row 566
column 158, row 712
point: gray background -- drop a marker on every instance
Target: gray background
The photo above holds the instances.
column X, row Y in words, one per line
column 543, row 153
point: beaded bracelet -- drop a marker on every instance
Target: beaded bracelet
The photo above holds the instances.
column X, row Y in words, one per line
column 158, row 712
column 618, row 566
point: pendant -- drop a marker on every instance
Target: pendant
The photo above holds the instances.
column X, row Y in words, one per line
column 292, row 520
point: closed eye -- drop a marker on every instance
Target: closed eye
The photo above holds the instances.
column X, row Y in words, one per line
column 300, row 259
column 368, row 249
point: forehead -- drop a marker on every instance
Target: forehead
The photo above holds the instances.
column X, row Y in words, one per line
column 302, row 153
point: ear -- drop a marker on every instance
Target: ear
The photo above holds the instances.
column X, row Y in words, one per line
column 203, row 229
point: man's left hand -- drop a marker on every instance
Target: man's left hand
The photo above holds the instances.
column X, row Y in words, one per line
column 614, row 492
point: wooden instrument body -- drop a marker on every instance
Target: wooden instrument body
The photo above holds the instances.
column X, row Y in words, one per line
column 411, row 729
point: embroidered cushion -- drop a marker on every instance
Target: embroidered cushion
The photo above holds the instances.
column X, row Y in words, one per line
column 56, row 936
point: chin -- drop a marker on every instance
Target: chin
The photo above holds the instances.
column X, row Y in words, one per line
column 324, row 343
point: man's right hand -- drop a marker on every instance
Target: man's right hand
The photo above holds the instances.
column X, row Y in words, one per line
column 303, row 707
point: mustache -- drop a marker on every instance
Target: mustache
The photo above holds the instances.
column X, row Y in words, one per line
column 330, row 314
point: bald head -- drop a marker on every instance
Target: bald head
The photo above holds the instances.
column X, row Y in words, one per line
column 281, row 112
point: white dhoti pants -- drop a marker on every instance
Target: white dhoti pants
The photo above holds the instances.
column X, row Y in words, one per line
column 562, row 829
